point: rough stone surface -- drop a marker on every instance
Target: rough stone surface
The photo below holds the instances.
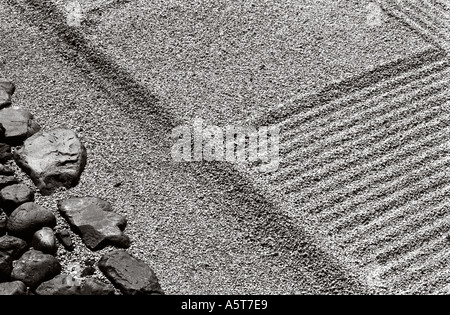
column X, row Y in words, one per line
column 19, row 124
column 130, row 275
column 3, row 222
column 60, row 285
column 45, row 241
column 29, row 218
column 88, row 271
column 52, row 159
column 6, row 170
column 94, row 220
column 15, row 195
column 13, row 288
column 96, row 287
column 5, row 152
column 35, row 267
column 6, row 181
column 65, row 239
column 13, row 246
column 5, row 267
column 7, row 89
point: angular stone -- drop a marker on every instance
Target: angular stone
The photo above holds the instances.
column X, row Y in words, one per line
column 5, row 267
column 7, row 181
column 35, row 267
column 60, row 285
column 7, row 89
column 29, row 218
column 52, row 159
column 44, row 240
column 88, row 271
column 5, row 152
column 13, row 288
column 13, row 246
column 96, row 287
column 15, row 195
column 3, row 222
column 128, row 274
column 65, row 239
column 19, row 124
column 94, row 220
column 6, row 170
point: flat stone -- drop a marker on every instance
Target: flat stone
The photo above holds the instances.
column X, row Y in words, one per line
column 13, row 246
column 60, row 285
column 93, row 218
column 128, row 274
column 52, row 159
column 7, row 89
column 44, row 240
column 29, row 218
column 35, row 267
column 96, row 287
column 19, row 124
column 13, row 288
column 65, row 239
column 5, row 267
column 7, row 181
column 15, row 195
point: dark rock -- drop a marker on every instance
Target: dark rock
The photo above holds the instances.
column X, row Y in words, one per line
column 5, row 267
column 44, row 240
column 6, row 181
column 65, row 239
column 19, row 124
column 35, row 267
column 128, row 274
column 94, row 220
column 7, row 89
column 88, row 271
column 5, row 153
column 90, row 262
column 96, row 287
column 3, row 222
column 13, row 246
column 29, row 218
column 60, row 285
column 6, row 170
column 52, row 159
column 15, row 195
column 13, row 288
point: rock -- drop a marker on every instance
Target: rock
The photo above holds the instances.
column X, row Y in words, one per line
column 5, row 267
column 3, row 222
column 130, row 275
column 19, row 124
column 6, row 181
column 65, row 239
column 13, row 288
column 6, row 170
column 7, row 89
column 29, row 218
column 52, row 159
column 13, row 246
column 5, row 153
column 44, row 240
column 35, row 267
column 88, row 271
column 60, row 285
column 96, row 287
column 15, row 195
column 94, row 220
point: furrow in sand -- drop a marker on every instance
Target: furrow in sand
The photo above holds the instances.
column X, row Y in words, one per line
column 383, row 141
column 380, row 229
column 361, row 184
column 382, row 200
column 347, row 139
column 353, row 102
